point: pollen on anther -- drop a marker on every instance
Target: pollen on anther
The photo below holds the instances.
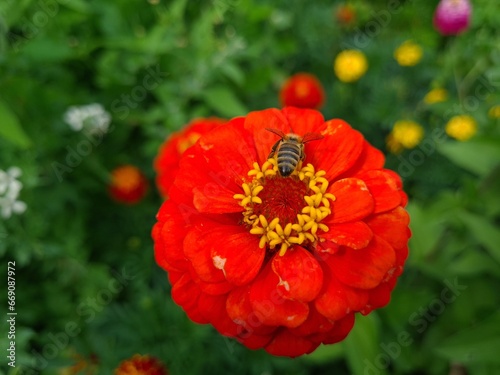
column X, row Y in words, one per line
column 257, row 230
column 247, row 189
column 262, row 242
column 257, row 190
column 283, row 249
column 263, row 221
column 256, row 200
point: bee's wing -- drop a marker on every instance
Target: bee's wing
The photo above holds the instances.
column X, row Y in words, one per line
column 277, row 132
column 308, row 137
column 273, row 149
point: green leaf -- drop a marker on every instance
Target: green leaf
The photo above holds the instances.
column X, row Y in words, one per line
column 473, row 263
column 477, row 344
column 426, row 231
column 47, row 50
column 362, row 346
column 478, row 156
column 11, row 129
column 223, row 101
column 485, row 232
column 14, row 10
column 77, row 5
column 233, row 72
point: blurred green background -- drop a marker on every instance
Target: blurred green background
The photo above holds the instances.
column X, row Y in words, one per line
column 86, row 280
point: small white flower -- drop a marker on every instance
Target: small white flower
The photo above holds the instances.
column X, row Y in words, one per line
column 10, row 188
column 9, row 206
column 8, row 178
column 93, row 117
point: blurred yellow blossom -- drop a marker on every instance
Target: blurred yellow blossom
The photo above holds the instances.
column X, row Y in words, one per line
column 404, row 134
column 494, row 112
column 408, row 54
column 436, row 96
column 462, row 127
column 350, row 65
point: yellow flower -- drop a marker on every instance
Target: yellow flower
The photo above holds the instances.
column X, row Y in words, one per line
column 350, row 65
column 404, row 134
column 393, row 145
column 436, row 96
column 408, row 54
column 461, row 127
column 494, row 112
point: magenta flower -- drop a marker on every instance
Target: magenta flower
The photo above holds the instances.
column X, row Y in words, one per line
column 452, row 16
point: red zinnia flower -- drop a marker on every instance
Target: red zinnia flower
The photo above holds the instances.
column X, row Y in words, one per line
column 302, row 90
column 166, row 163
column 141, row 365
column 128, row 184
column 282, row 263
column 82, row 366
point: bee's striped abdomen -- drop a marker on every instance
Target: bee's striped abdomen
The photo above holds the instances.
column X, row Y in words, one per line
column 289, row 154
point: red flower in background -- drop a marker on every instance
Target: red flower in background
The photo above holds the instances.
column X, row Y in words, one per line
column 141, row 365
column 128, row 184
column 166, row 163
column 303, row 90
column 282, row 263
column 345, row 14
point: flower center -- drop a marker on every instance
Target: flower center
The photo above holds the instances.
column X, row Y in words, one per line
column 302, row 89
column 285, row 211
column 126, row 178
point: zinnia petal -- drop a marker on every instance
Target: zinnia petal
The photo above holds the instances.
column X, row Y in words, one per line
column 286, row 343
column 391, row 226
column 315, row 323
column 337, row 300
column 198, row 246
column 364, row 268
column 240, row 310
column 256, row 124
column 168, row 235
column 355, row 234
column 338, row 151
column 214, row 309
column 185, row 293
column 379, row 297
column 353, row 200
column 383, row 188
column 339, row 331
column 303, row 121
column 370, row 158
column 300, row 275
column 221, row 167
column 238, row 256
column 166, row 163
column 270, row 305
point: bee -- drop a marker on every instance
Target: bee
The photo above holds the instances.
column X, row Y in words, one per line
column 290, row 150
